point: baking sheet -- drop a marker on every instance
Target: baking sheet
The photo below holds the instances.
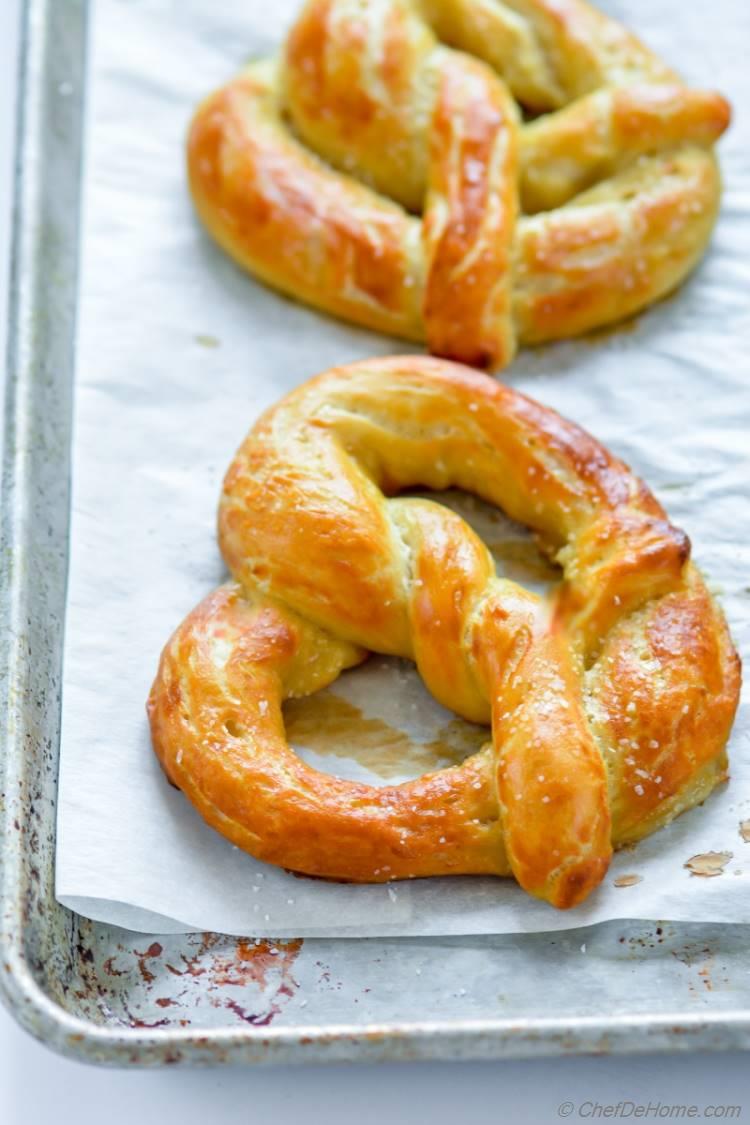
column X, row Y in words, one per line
column 178, row 352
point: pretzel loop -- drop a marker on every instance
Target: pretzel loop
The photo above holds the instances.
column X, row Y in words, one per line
column 610, row 706
column 380, row 171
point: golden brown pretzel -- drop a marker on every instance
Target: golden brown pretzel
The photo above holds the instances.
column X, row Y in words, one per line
column 311, row 170
column 610, row 706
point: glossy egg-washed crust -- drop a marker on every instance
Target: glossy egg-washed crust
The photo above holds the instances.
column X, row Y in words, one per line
column 379, row 170
column 610, row 704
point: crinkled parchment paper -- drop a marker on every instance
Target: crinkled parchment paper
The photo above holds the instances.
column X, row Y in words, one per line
column 179, row 352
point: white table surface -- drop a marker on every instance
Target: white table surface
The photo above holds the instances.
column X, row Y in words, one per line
column 37, row 1086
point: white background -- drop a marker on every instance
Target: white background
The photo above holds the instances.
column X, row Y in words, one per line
column 37, row 1087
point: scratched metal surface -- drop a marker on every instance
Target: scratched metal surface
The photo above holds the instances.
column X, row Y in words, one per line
column 113, row 997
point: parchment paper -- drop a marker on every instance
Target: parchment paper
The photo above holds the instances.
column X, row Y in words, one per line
column 178, row 353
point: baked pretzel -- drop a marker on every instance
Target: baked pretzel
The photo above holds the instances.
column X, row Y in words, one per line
column 312, row 170
column 610, row 705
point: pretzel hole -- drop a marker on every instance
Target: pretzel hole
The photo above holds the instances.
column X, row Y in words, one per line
column 512, row 546
column 378, row 724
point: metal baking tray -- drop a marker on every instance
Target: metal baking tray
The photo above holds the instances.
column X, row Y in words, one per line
column 110, row 996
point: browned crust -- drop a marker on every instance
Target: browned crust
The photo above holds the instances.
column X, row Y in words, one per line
column 610, row 709
column 307, row 172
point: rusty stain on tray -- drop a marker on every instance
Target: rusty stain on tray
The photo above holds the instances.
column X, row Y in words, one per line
column 703, row 961
column 708, row 864
column 251, row 978
column 154, row 950
column 253, row 962
column 744, row 830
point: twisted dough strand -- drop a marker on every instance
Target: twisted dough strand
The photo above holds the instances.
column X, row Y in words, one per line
column 311, row 170
column 610, row 706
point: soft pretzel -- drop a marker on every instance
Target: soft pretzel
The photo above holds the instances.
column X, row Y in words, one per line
column 380, row 170
column 610, row 705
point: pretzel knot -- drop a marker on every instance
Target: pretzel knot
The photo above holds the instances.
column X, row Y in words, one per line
column 381, row 175
column 610, row 705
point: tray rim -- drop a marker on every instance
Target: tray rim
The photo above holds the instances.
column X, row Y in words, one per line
column 41, row 71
